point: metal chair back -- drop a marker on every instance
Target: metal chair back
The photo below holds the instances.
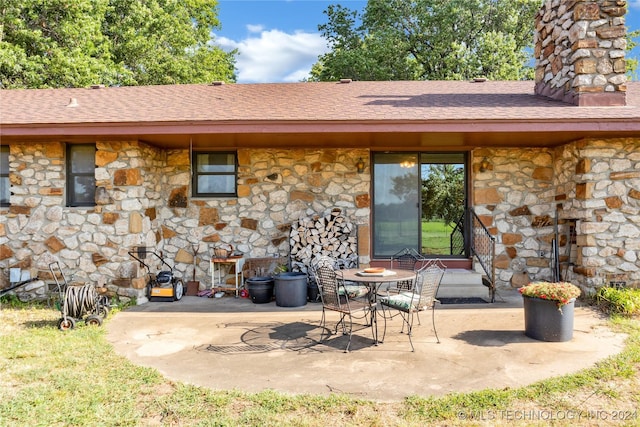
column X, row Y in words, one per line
column 329, row 288
column 427, row 284
column 406, row 259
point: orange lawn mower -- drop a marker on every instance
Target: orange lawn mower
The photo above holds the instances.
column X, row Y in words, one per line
column 163, row 286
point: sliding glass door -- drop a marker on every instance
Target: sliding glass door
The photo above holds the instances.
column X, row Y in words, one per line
column 396, row 202
column 418, row 202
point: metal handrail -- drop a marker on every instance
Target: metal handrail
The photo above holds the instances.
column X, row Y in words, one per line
column 456, row 238
column 483, row 248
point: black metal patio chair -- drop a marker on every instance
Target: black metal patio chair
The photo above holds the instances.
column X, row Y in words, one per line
column 406, row 259
column 334, row 298
column 421, row 297
column 351, row 289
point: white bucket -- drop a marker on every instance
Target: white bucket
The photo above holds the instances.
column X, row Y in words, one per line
column 14, row 275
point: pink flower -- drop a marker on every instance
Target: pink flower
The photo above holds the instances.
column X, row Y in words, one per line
column 561, row 292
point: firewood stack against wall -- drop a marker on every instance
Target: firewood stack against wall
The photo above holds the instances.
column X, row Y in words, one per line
column 332, row 235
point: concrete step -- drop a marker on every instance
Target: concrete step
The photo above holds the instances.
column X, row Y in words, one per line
column 461, row 283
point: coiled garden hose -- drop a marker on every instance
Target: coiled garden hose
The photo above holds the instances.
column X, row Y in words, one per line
column 79, row 300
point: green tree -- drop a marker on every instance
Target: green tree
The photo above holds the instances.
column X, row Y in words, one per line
column 404, row 187
column 632, row 62
column 443, row 193
column 429, row 40
column 358, row 54
column 63, row 43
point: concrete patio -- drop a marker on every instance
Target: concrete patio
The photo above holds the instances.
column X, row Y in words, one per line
column 231, row 343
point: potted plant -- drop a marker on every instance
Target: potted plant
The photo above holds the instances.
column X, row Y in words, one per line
column 548, row 310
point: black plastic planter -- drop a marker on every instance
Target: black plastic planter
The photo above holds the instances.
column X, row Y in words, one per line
column 543, row 321
column 260, row 289
column 291, row 289
column 313, row 292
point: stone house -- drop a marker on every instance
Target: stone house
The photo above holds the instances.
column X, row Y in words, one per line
column 88, row 174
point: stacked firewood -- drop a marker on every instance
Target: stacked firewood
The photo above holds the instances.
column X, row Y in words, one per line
column 330, row 236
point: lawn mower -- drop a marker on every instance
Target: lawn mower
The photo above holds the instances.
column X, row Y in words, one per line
column 163, row 286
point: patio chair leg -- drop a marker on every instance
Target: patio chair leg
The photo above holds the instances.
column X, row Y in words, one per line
column 341, row 322
column 384, row 318
column 346, row 350
column 322, row 326
column 433, row 322
column 384, row 331
column 405, row 320
column 410, row 328
column 374, row 326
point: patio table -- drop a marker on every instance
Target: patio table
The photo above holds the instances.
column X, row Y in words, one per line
column 373, row 281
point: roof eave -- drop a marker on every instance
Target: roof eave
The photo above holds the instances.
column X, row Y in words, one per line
column 343, row 126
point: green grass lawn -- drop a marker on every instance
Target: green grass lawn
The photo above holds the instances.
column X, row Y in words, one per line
column 436, row 238
column 74, row 378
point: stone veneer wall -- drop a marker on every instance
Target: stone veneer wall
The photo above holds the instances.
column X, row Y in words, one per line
column 143, row 199
column 594, row 183
column 579, row 51
column 606, row 203
column 275, row 188
column 90, row 243
column 514, row 199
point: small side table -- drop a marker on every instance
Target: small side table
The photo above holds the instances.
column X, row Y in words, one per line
column 215, row 266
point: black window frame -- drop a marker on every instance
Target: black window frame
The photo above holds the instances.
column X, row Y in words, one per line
column 4, row 175
column 72, row 197
column 195, row 174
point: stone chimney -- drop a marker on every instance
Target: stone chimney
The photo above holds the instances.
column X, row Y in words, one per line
column 579, row 51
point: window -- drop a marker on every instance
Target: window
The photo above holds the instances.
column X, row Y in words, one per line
column 214, row 174
column 81, row 180
column 418, row 202
column 396, row 203
column 4, row 175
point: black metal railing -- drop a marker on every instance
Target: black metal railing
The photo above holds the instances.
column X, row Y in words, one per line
column 483, row 248
column 456, row 238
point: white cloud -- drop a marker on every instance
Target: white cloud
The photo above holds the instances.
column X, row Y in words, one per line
column 634, row 4
column 275, row 56
column 255, row 28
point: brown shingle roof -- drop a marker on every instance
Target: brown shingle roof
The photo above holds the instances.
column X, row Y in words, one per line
column 422, row 101
column 365, row 114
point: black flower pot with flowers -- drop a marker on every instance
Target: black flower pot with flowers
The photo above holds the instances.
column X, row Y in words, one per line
column 549, row 310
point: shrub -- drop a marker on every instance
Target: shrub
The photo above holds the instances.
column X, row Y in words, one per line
column 622, row 301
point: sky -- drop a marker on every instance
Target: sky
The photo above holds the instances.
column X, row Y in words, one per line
column 279, row 40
